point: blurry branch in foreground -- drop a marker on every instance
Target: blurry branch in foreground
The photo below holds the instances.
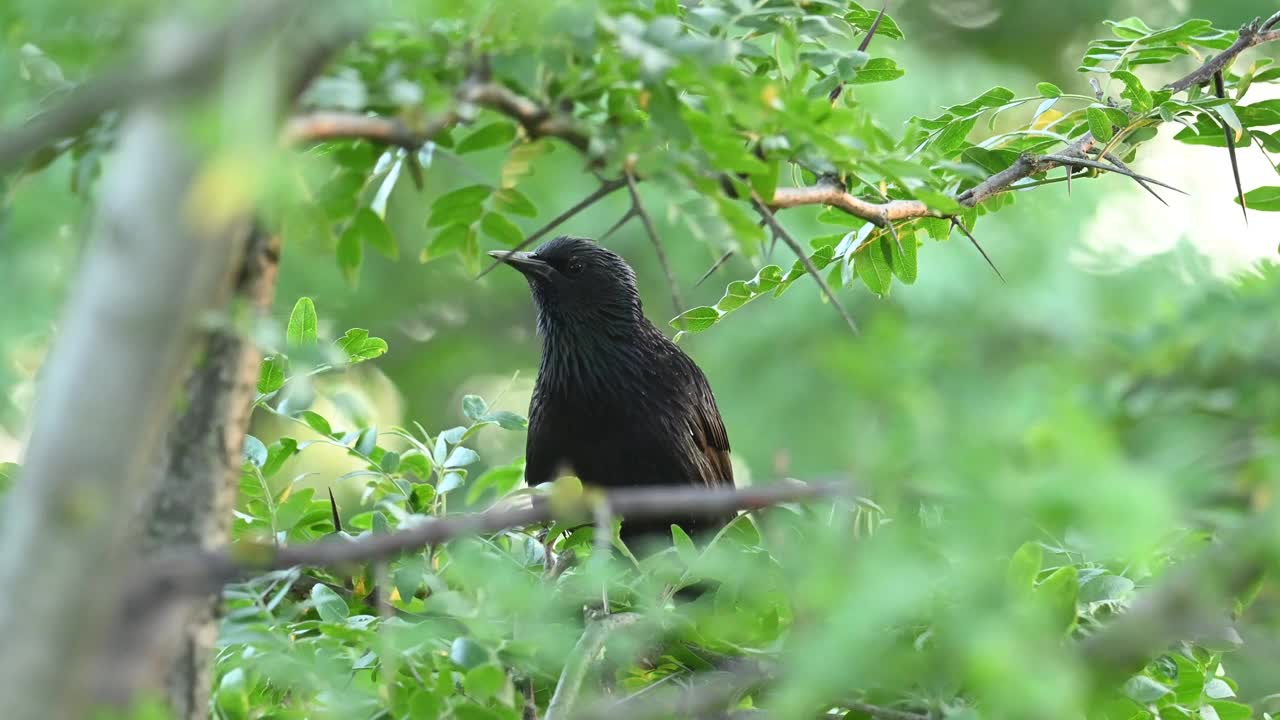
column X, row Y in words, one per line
column 194, row 570
column 195, row 64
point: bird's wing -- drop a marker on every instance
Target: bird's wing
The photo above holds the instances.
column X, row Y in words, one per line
column 542, row 453
column 709, row 435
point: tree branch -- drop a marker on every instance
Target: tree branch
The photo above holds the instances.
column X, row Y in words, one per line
column 583, row 656
column 804, row 258
column 194, row 63
column 637, row 208
column 195, row 571
column 606, row 188
column 328, row 125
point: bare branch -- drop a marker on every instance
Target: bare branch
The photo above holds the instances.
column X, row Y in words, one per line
column 194, row 571
column 326, row 125
column 803, row 256
column 637, row 207
column 536, row 120
column 836, row 196
column 606, row 187
column 583, row 656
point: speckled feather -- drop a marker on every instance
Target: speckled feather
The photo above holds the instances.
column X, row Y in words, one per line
column 616, row 403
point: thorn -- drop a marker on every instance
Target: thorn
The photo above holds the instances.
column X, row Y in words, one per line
column 1087, row 163
column 871, row 31
column 1070, row 171
column 974, row 240
column 1220, row 91
column 862, row 47
column 723, row 259
column 1116, row 161
column 605, row 188
column 333, row 508
column 781, row 232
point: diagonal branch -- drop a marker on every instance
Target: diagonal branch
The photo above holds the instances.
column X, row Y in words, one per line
column 328, row 125
column 809, row 267
column 637, row 208
column 606, row 187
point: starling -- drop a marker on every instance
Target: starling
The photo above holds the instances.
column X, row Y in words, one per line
column 616, row 403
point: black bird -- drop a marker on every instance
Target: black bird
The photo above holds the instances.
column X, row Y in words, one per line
column 616, row 403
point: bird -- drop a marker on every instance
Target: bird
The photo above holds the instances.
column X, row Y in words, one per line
column 616, row 403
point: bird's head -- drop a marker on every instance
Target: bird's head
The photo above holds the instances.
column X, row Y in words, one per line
column 574, row 280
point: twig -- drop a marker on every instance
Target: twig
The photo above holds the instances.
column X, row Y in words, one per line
column 606, row 187
column 709, row 693
column 637, row 206
column 536, row 120
column 327, row 125
column 583, row 656
column 626, row 217
column 809, row 267
column 959, row 225
column 1221, row 92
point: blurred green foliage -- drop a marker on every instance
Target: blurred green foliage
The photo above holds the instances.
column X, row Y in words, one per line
column 1029, row 456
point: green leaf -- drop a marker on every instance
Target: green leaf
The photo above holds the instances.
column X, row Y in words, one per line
column 1058, row 594
column 1105, row 587
column 253, row 451
column 390, row 462
column 271, row 373
column 1099, row 124
column 316, row 422
column 367, row 225
column 1231, row 710
column 474, row 407
column 904, row 260
column 1048, row 90
column 953, row 136
column 513, row 202
column 1264, row 198
column 464, row 205
column 279, row 452
column 451, row 239
column 1024, row 566
column 484, row 681
column 1142, row 689
column 350, row 255
column 877, row 70
column 508, row 420
column 696, row 319
column 1134, row 91
column 501, row 229
column 233, row 694
column 467, row 653
column 488, row 136
column 685, row 548
column 303, row 324
column 937, row 201
column 872, row 267
column 359, row 347
column 329, row 604
column 461, row 457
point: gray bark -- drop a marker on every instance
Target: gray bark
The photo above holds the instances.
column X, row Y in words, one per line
column 107, row 390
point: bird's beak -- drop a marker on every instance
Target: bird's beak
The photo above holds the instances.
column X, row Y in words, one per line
column 527, row 263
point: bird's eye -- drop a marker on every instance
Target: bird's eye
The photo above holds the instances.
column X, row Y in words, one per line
column 574, row 267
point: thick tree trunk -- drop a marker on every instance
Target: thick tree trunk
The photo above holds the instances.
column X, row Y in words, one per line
column 198, row 475
column 107, row 391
